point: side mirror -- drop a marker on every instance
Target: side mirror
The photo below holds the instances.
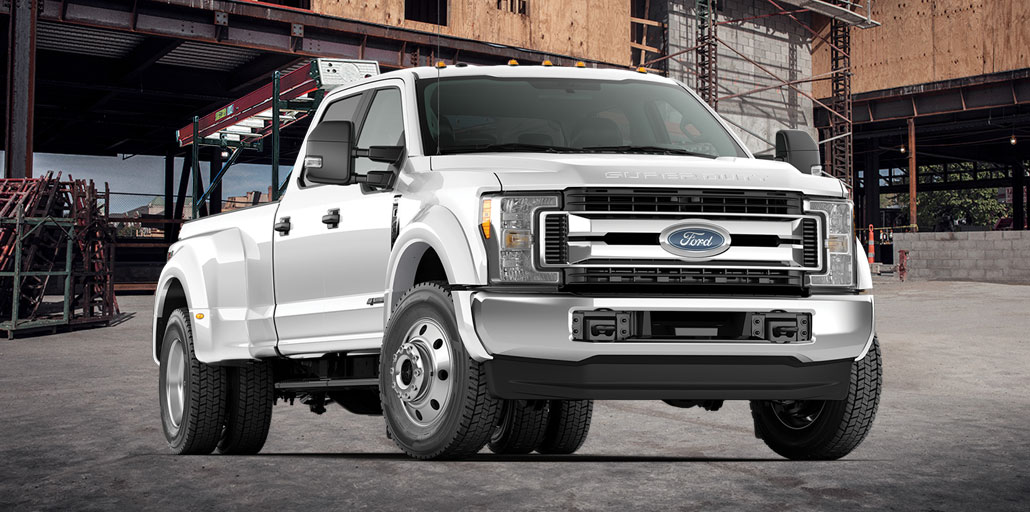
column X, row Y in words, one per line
column 797, row 148
column 385, row 154
column 329, row 157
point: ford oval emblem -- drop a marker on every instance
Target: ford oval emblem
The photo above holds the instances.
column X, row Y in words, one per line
column 695, row 240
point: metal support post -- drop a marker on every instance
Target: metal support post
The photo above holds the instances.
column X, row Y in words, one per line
column 21, row 86
column 169, row 195
column 195, row 168
column 841, row 156
column 16, row 288
column 214, row 188
column 1018, row 206
column 872, row 185
column 912, row 177
column 707, row 52
column 275, row 136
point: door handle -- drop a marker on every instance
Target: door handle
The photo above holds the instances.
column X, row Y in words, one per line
column 283, row 226
column 332, row 219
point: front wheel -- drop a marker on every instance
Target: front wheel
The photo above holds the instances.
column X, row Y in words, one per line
column 192, row 393
column 823, row 429
column 434, row 396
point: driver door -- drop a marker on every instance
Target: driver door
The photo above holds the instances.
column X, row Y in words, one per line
column 330, row 280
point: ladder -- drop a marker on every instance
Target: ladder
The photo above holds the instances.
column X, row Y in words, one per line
column 248, row 121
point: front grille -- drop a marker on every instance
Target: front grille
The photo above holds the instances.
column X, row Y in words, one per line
column 556, row 231
column 682, row 276
column 810, row 238
column 660, row 200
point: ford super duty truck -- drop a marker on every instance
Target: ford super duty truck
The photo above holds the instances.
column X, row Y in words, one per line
column 478, row 253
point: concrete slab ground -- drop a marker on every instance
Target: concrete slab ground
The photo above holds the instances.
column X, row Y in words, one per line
column 80, row 430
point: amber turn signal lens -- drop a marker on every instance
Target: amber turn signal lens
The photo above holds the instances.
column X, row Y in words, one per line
column 484, row 218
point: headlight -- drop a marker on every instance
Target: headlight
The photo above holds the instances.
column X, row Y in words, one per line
column 508, row 225
column 840, row 265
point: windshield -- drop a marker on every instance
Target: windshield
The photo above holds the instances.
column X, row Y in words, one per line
column 485, row 114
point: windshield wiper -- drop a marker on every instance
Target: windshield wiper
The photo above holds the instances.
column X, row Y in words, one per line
column 649, row 149
column 508, row 147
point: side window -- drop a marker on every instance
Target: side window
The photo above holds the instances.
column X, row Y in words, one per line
column 343, row 110
column 384, row 126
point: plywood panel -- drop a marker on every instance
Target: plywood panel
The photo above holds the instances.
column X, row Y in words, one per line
column 930, row 40
column 589, row 29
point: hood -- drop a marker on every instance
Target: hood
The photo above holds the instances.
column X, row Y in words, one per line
column 546, row 171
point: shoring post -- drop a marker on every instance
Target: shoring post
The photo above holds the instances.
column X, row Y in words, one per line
column 275, row 136
column 195, row 170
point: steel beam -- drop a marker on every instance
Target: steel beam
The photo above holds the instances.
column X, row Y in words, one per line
column 268, row 27
column 21, row 86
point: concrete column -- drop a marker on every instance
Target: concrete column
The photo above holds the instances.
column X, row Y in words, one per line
column 21, row 86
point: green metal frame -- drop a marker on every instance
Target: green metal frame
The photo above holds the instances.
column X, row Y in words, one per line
column 33, row 223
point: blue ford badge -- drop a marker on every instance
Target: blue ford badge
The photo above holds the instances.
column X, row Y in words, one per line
column 695, row 240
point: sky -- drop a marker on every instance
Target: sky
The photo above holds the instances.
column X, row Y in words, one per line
column 145, row 175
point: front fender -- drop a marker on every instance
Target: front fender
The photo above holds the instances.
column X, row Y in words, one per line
column 438, row 229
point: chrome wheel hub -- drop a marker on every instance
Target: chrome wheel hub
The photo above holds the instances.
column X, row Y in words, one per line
column 175, row 382
column 420, row 372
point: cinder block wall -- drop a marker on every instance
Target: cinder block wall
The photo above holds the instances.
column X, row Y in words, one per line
column 993, row 256
column 777, row 43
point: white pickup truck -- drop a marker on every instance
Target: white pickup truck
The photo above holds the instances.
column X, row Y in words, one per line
column 478, row 253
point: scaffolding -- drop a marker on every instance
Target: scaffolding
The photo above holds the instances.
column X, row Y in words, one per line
column 844, row 14
column 54, row 230
column 707, row 52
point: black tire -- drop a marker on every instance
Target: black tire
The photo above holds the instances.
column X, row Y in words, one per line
column 521, row 429
column 199, row 427
column 249, row 400
column 467, row 415
column 567, row 426
column 823, row 429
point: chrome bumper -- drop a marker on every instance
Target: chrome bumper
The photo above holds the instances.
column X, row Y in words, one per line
column 540, row 326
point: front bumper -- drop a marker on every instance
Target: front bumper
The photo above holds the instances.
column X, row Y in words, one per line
column 527, row 345
column 540, row 326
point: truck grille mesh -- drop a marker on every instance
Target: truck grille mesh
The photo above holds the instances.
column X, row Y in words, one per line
column 682, row 276
column 556, row 231
column 644, row 200
column 810, row 237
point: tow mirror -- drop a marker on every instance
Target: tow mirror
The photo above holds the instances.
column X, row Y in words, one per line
column 797, row 148
column 329, row 157
column 384, row 154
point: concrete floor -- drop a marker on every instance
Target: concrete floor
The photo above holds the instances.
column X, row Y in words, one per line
column 80, row 430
